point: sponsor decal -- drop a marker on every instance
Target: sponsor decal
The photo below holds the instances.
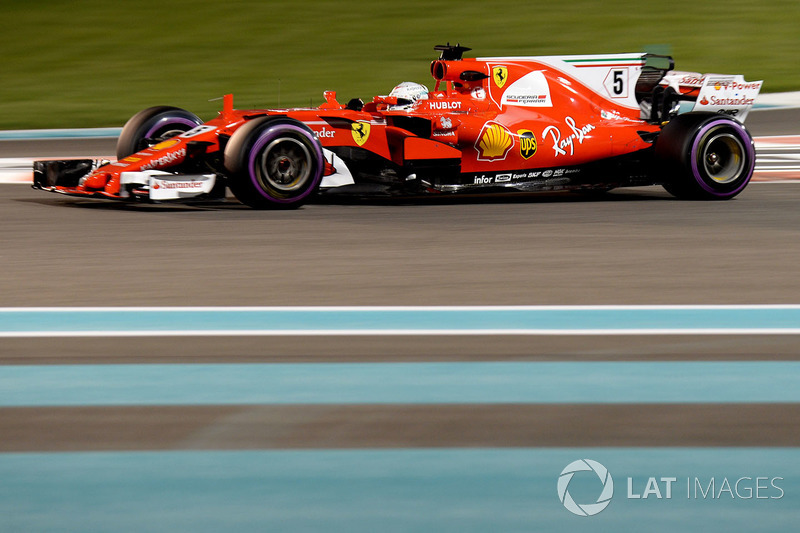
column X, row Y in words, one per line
column 131, row 159
column 615, row 115
column 444, row 128
column 166, row 160
column 493, row 143
column 478, row 93
column 360, row 131
column 165, row 144
column 692, row 81
column 729, row 95
column 324, row 133
column 531, row 90
column 163, row 184
column 527, row 100
column 518, row 178
column 714, row 101
column 527, row 143
column 444, row 105
column 562, row 143
column 499, row 75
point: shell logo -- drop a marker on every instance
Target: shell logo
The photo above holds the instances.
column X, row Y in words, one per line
column 493, row 143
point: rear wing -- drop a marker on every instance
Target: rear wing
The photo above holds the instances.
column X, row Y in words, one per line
column 726, row 94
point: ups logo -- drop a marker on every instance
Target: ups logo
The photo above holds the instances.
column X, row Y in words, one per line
column 527, row 143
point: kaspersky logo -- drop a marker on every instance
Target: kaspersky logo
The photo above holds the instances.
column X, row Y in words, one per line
column 581, row 468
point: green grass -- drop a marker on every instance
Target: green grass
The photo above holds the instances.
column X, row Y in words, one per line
column 86, row 63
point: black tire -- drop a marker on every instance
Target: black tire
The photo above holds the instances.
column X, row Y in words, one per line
column 274, row 162
column 705, row 156
column 152, row 126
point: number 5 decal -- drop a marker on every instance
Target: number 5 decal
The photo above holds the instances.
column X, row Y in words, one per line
column 616, row 83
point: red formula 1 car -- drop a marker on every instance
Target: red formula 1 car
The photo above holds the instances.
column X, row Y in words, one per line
column 489, row 125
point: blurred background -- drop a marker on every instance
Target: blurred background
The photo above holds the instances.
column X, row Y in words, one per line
column 93, row 63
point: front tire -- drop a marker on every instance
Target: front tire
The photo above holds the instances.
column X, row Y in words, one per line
column 152, row 126
column 274, row 162
column 705, row 156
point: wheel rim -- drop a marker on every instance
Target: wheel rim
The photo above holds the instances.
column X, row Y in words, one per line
column 723, row 158
column 284, row 165
column 166, row 135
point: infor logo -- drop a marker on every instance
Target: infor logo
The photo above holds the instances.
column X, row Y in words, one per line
column 585, row 509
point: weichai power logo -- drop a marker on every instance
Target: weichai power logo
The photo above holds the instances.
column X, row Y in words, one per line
column 527, row 143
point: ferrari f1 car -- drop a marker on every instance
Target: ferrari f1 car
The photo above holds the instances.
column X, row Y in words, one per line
column 501, row 124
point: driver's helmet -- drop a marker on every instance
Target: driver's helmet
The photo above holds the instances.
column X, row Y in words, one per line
column 407, row 94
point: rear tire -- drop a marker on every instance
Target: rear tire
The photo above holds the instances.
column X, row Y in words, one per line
column 274, row 162
column 152, row 126
column 705, row 156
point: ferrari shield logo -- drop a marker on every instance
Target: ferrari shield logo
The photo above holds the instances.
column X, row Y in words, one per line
column 360, row 131
column 499, row 75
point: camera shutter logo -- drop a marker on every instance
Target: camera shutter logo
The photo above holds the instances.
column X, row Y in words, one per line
column 585, row 509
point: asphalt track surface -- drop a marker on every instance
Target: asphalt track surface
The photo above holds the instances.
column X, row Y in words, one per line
column 636, row 246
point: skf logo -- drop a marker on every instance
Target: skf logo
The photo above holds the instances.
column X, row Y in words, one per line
column 493, row 143
column 527, row 143
column 500, row 75
column 360, row 131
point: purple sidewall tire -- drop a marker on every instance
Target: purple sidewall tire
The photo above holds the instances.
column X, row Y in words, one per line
column 151, row 123
column 167, row 121
column 271, row 133
column 750, row 156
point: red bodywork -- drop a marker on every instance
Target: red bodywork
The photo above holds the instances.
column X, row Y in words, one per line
column 488, row 123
